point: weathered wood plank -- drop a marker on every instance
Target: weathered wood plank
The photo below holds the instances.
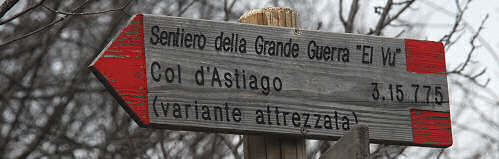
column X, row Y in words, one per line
column 354, row 145
column 341, row 89
column 395, row 92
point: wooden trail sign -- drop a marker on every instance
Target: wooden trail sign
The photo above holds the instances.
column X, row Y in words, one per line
column 201, row 75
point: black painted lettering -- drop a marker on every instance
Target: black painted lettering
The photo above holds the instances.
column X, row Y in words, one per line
column 268, row 115
column 186, row 107
column 228, row 80
column 154, row 106
column 346, row 123
column 165, row 110
column 296, row 119
column 236, row 114
column 327, row 122
column 307, row 116
column 215, row 78
column 154, row 32
column 277, row 116
column 259, row 117
column 317, row 125
column 199, row 76
column 206, row 113
column 217, row 112
column 367, row 54
column 226, row 108
column 155, row 78
column 264, row 83
column 176, row 110
column 284, row 117
column 169, row 75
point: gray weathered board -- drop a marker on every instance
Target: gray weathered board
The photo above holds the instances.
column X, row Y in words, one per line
column 397, row 87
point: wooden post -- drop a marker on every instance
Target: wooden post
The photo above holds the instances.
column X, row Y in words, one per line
column 272, row 147
column 353, row 145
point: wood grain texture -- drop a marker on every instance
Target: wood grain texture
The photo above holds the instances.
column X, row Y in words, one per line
column 354, row 145
column 431, row 127
column 275, row 147
column 254, row 146
column 293, row 148
column 271, row 16
column 309, row 86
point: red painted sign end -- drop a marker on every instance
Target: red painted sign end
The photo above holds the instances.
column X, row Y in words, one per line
column 121, row 67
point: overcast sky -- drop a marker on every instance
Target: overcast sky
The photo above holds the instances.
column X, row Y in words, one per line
column 439, row 15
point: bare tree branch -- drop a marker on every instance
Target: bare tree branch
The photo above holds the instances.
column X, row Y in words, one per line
column 53, row 120
column 459, row 70
column 396, row 16
column 228, row 9
column 447, row 39
column 183, row 10
column 473, row 48
column 32, row 32
column 88, row 13
column 232, row 148
column 381, row 22
column 22, row 12
column 385, row 19
column 59, row 20
column 340, row 13
column 348, row 24
column 6, row 6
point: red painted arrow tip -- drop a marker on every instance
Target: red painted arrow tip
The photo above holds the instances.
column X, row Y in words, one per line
column 425, row 57
column 121, row 67
column 431, row 127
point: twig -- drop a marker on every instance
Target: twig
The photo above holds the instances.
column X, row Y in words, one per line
column 232, row 148
column 33, row 32
column 400, row 33
column 52, row 121
column 348, row 23
column 467, row 25
column 404, row 2
column 88, row 13
column 6, row 6
column 459, row 69
column 351, row 16
column 162, row 147
column 182, row 11
column 440, row 153
column 228, row 9
column 490, row 97
column 319, row 25
column 385, row 19
column 59, row 20
column 21, row 13
column 340, row 14
column 473, row 78
column 381, row 22
column 459, row 17
column 407, row 5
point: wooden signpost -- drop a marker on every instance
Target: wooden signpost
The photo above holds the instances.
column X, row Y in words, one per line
column 201, row 75
column 273, row 146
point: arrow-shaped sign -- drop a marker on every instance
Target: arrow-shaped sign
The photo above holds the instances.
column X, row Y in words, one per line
column 200, row 75
column 121, row 68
